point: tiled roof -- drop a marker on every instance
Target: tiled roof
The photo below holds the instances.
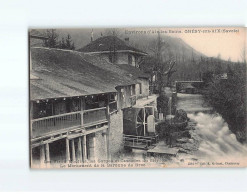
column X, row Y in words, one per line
column 65, row 73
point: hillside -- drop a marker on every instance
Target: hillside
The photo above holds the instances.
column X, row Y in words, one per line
column 174, row 46
column 190, row 64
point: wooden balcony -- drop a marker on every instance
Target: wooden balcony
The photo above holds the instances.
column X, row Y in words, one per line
column 59, row 123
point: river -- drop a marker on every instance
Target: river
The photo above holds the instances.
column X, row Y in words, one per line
column 216, row 143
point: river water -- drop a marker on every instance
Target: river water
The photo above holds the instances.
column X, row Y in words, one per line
column 215, row 140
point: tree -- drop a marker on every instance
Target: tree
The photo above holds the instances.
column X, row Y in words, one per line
column 161, row 66
column 228, row 97
column 243, row 55
column 112, row 31
column 207, row 77
column 62, row 44
column 68, row 42
column 51, row 42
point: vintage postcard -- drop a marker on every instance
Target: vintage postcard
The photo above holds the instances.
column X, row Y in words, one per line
column 137, row 97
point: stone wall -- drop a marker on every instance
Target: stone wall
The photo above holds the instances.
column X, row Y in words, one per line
column 100, row 146
column 115, row 134
column 144, row 87
column 122, row 58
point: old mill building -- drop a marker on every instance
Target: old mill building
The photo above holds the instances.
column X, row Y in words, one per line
column 77, row 105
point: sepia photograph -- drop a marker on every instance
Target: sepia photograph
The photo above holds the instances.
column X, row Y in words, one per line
column 137, row 97
column 133, row 96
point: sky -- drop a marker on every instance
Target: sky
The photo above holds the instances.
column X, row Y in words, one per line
column 229, row 44
column 224, row 42
column 213, row 42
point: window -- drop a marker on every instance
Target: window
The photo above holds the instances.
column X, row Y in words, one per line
column 136, row 62
column 112, row 97
column 140, row 88
column 42, row 109
column 132, row 90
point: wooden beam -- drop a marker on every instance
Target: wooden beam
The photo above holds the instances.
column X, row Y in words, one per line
column 84, row 148
column 73, row 150
column 72, row 136
column 42, row 155
column 47, row 153
column 67, row 151
column 79, row 150
column 82, row 118
column 144, row 121
column 62, row 131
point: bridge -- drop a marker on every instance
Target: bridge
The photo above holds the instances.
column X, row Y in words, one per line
column 188, row 86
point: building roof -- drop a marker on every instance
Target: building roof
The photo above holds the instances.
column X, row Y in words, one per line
column 109, row 44
column 60, row 73
column 122, row 69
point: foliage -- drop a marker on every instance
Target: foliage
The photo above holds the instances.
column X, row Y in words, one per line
column 180, row 116
column 66, row 44
column 69, row 43
column 162, row 104
column 52, row 41
column 228, row 96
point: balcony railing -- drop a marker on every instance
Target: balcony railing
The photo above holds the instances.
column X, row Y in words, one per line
column 52, row 124
column 94, row 115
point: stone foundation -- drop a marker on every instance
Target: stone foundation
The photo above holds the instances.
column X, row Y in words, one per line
column 115, row 134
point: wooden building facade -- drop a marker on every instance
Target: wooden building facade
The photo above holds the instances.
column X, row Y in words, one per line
column 76, row 107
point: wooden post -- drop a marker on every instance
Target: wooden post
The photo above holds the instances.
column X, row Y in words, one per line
column 108, row 112
column 31, row 117
column 92, row 148
column 84, row 148
column 107, row 132
column 79, row 150
column 144, row 121
column 31, row 110
column 73, row 150
column 67, row 151
column 82, row 118
column 42, row 155
column 106, row 144
column 82, row 108
column 47, row 153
